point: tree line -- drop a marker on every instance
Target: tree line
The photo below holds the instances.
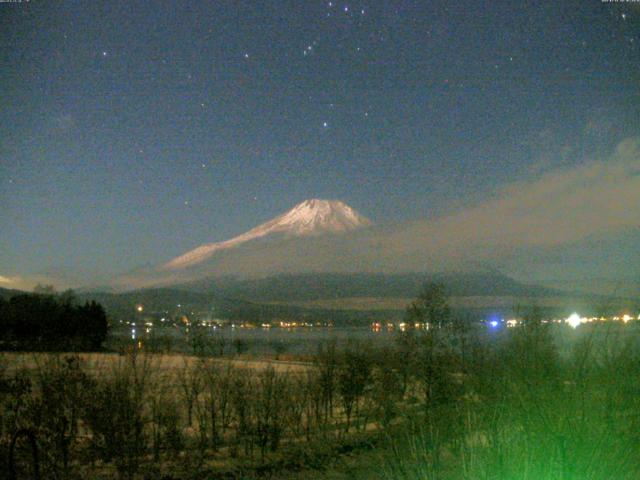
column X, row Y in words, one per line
column 48, row 321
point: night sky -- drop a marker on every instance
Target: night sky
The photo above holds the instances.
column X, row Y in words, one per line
column 134, row 131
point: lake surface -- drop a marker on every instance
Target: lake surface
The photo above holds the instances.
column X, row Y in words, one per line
column 306, row 340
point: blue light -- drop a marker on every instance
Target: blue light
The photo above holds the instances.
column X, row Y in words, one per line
column 493, row 323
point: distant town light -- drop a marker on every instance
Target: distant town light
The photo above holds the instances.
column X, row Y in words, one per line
column 574, row 320
column 493, row 323
column 139, row 308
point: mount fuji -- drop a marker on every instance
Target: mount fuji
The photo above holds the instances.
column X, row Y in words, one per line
column 309, row 218
column 312, row 236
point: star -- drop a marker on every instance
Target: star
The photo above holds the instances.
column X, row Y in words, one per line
column 624, row 16
column 104, row 54
column 325, row 124
column 246, row 55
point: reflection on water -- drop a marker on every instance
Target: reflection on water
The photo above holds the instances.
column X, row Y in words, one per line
column 251, row 340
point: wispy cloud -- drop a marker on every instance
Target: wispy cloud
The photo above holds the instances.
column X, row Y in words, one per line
column 595, row 199
column 28, row 282
column 11, row 282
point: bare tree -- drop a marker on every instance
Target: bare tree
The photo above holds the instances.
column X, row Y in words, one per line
column 218, row 387
column 327, row 365
column 270, row 401
column 354, row 374
column 430, row 307
column 191, row 386
column 242, row 386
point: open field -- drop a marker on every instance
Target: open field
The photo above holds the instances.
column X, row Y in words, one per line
column 97, row 363
column 168, row 412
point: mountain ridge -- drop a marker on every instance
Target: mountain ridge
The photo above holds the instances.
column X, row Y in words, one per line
column 312, row 286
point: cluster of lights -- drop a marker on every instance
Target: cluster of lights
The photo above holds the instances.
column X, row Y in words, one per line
column 402, row 326
column 297, row 324
column 378, row 326
column 575, row 320
column 494, row 323
column 625, row 318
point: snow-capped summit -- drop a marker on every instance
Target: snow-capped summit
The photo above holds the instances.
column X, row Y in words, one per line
column 317, row 216
column 311, row 217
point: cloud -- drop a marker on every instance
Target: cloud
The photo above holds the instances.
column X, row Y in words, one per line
column 28, row 282
column 596, row 199
column 11, row 282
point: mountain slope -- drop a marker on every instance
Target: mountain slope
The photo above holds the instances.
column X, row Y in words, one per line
column 7, row 293
column 314, row 286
